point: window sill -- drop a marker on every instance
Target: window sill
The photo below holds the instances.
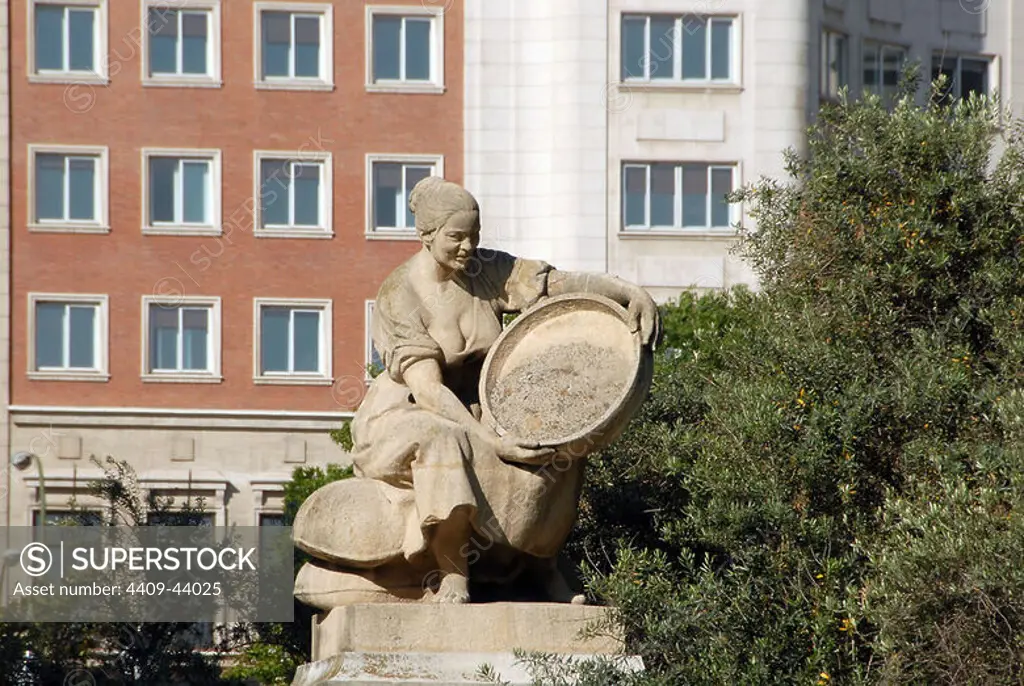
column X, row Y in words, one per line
column 181, row 231
column 292, row 233
column 296, row 380
column 641, row 234
column 182, row 82
column 69, row 77
column 68, row 375
column 294, row 85
column 182, row 377
column 420, row 88
column 69, row 227
column 680, row 87
column 385, row 235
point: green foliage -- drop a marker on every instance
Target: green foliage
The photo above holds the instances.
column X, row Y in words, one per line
column 827, row 483
column 267, row 664
column 343, row 436
column 304, row 481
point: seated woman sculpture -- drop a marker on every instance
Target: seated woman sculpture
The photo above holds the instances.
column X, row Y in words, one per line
column 418, row 429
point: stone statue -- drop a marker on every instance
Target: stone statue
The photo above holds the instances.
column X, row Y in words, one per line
column 438, row 496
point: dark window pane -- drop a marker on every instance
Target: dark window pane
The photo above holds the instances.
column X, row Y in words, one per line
column 162, row 173
column 413, row 175
column 973, row 77
column 49, row 335
column 663, row 41
column 194, row 335
column 387, row 193
column 163, row 41
column 163, row 337
column 82, row 188
column 193, row 53
column 663, row 192
column 306, row 178
column 277, row 31
column 695, row 50
column 871, row 69
column 307, row 342
column 633, row 29
column 275, row 182
column 721, row 49
column 49, row 186
column 721, row 186
column 49, row 21
column 307, row 46
column 386, row 50
column 82, row 36
column 195, row 182
column 274, row 339
column 635, row 183
column 695, row 194
column 82, row 332
column 417, row 49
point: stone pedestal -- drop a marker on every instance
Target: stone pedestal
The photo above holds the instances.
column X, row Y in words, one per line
column 425, row 644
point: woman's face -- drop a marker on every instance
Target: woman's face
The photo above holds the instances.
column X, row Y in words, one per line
column 454, row 243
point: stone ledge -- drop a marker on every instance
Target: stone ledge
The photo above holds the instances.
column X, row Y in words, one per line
column 425, row 669
column 473, row 628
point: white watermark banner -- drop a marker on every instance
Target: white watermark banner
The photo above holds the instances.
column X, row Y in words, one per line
column 147, row 574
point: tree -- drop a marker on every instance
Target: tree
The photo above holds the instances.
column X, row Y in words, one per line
column 827, row 484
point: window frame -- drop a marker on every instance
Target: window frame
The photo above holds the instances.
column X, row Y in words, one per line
column 824, row 53
column 100, row 45
column 436, row 84
column 101, row 338
column 991, row 71
column 100, row 192
column 324, row 377
column 409, row 233
column 636, row 230
column 212, row 79
column 213, row 341
column 325, row 160
column 325, row 82
column 879, row 49
column 214, row 228
column 677, row 81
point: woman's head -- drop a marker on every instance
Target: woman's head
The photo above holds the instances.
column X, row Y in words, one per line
column 447, row 220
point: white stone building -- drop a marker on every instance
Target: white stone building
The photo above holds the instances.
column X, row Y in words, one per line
column 600, row 133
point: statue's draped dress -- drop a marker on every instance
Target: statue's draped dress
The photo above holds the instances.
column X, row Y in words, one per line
column 522, row 508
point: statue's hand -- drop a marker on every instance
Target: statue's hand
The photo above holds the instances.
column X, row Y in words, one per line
column 643, row 317
column 516, row 450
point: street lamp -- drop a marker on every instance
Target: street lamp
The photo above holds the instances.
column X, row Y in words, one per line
column 21, row 461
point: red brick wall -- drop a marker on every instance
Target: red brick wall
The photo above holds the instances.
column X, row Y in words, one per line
column 236, row 118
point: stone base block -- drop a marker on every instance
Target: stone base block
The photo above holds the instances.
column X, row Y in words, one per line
column 423, row 669
column 473, row 628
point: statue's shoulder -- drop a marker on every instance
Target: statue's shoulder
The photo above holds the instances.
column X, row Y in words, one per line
column 397, row 290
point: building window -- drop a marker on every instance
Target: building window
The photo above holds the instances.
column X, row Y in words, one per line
column 834, row 60
column 181, row 339
column 294, row 47
column 67, row 41
column 175, row 517
column 668, row 48
column 405, row 49
column 390, row 181
column 183, row 43
column 68, row 188
column 373, row 363
column 293, row 341
column 182, row 191
column 883, row 65
column 67, row 518
column 271, row 519
column 669, row 196
column 964, row 75
column 67, row 337
column 294, row 191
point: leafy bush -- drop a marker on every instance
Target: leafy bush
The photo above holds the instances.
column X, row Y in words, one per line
column 826, row 485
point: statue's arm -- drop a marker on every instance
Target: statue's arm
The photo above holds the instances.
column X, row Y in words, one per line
column 643, row 312
column 424, row 379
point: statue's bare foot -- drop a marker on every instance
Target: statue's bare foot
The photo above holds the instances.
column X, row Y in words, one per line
column 454, row 590
column 557, row 589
